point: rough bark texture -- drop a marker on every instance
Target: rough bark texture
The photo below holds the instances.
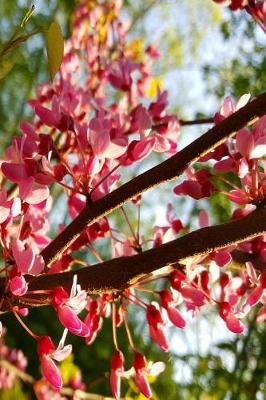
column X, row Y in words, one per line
column 117, row 274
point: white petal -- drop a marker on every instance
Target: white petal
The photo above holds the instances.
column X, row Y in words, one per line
column 61, row 354
column 156, row 369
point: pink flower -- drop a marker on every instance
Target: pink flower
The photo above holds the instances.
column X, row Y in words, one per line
column 192, row 295
column 203, row 219
column 221, row 258
column 68, row 306
column 252, row 144
column 30, row 191
column 231, row 321
column 99, row 136
column 141, row 369
column 140, row 149
column 169, row 303
column 18, row 285
column 120, row 74
column 233, row 4
column 157, row 109
column 156, row 327
column 141, row 120
column 8, row 208
column 229, row 106
column 239, row 196
column 163, row 234
column 23, row 168
column 26, row 260
column 93, row 320
column 198, row 186
column 117, row 369
column 48, row 354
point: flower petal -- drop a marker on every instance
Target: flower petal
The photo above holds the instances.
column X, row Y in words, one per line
column 51, row 372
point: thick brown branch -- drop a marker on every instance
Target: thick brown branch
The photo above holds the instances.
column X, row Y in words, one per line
column 117, row 274
column 241, row 258
column 168, row 170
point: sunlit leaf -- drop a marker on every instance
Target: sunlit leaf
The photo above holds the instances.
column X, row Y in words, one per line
column 68, row 369
column 55, row 48
column 5, row 68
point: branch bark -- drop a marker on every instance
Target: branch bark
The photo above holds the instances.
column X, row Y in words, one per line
column 117, row 274
column 241, row 257
column 166, row 171
column 200, row 121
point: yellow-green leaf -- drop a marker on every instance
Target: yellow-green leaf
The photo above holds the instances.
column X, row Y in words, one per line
column 55, row 48
column 5, row 68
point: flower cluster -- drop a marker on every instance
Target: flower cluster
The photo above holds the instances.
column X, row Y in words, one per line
column 91, row 126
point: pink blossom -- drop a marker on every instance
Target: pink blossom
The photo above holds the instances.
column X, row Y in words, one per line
column 22, row 167
column 142, row 369
column 169, row 304
column 68, row 306
column 221, row 258
column 99, row 136
column 198, row 187
column 8, row 208
column 232, row 322
column 163, row 234
column 48, row 353
column 18, row 285
column 192, row 295
column 255, row 296
column 229, row 106
column 27, row 261
column 93, row 320
column 252, row 145
column 157, row 108
column 140, row 149
column 117, row 369
column 141, row 120
column 49, row 117
column 156, row 327
column 120, row 74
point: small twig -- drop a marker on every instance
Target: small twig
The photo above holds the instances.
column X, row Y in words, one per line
column 21, row 374
column 83, row 395
column 200, row 121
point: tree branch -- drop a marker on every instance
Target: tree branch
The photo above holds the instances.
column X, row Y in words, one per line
column 241, row 257
column 168, row 170
column 119, row 273
column 199, row 121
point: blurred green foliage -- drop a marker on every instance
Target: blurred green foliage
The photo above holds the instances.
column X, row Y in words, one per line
column 25, row 66
column 244, row 71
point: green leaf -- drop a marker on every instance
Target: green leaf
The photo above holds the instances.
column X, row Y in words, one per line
column 55, row 48
column 5, row 68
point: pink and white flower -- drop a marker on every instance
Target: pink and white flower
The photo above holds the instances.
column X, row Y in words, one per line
column 68, row 306
column 48, row 354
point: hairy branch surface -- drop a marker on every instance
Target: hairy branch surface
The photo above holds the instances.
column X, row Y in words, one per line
column 117, row 274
